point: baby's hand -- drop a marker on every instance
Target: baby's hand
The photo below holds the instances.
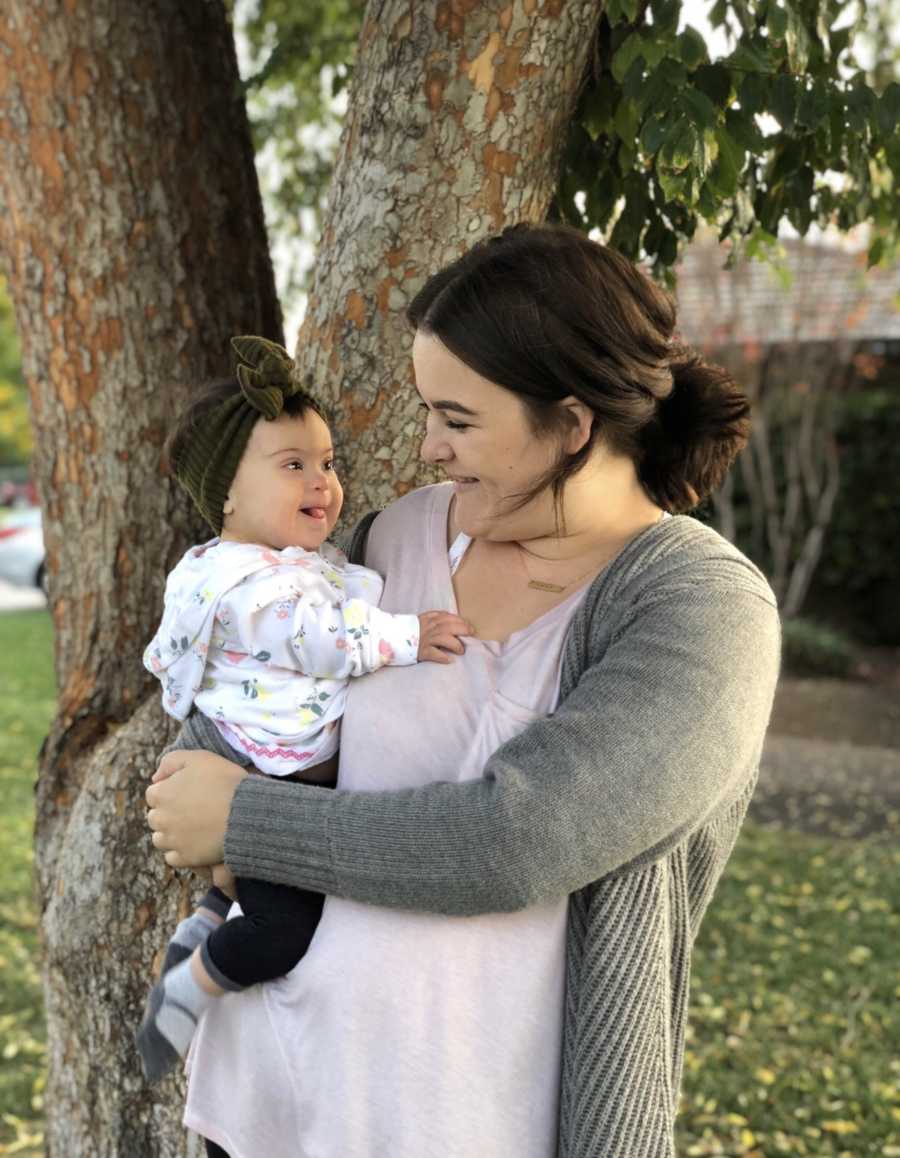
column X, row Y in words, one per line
column 439, row 633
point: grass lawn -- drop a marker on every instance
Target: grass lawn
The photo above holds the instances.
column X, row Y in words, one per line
column 794, row 993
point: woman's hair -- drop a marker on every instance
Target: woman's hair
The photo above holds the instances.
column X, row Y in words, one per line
column 547, row 313
column 208, row 398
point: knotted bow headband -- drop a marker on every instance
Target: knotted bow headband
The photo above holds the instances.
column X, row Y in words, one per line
column 208, row 460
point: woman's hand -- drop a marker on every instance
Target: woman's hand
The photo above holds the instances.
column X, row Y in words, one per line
column 190, row 799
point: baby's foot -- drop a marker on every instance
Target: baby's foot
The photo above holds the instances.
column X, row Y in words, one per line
column 174, row 1007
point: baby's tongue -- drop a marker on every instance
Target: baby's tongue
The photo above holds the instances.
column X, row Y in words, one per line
column 315, row 512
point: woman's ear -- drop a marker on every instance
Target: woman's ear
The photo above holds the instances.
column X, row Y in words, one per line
column 581, row 423
column 228, row 507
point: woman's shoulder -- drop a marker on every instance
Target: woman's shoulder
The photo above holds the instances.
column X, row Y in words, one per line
column 682, row 551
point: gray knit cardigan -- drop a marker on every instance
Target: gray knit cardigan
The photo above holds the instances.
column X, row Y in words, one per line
column 628, row 798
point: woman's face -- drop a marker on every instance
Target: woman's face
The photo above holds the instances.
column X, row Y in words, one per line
column 479, row 433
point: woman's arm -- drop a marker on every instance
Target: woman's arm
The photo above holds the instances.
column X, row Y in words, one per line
column 666, row 727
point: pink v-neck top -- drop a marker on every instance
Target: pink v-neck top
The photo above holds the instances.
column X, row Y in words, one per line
column 407, row 1034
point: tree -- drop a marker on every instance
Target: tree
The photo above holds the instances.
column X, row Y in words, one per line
column 793, row 125
column 132, row 232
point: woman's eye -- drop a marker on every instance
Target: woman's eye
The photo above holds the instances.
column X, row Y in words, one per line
column 457, row 425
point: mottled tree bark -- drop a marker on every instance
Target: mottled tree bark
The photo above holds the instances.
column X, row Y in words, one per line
column 134, row 241
column 455, row 127
column 132, row 233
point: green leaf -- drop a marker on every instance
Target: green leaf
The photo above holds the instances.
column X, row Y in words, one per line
column 673, row 73
column 626, row 121
column 634, row 86
column 718, row 14
column 666, row 15
column 776, row 21
column 698, row 107
column 753, row 93
column 796, row 40
column 783, row 101
column 692, row 48
column 627, row 52
column 839, row 40
column 668, row 250
column 812, row 108
column 679, row 147
column 876, row 252
column 744, row 130
column 596, row 114
column 654, row 133
column 654, row 235
column 725, row 173
column 888, row 110
column 655, row 46
column 751, row 57
column 601, row 199
column 715, row 81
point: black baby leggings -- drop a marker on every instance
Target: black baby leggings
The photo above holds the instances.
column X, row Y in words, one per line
column 268, row 940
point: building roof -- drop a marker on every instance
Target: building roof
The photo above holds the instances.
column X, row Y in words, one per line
column 820, row 292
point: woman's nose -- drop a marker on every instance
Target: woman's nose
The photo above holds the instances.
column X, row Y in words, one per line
column 434, row 449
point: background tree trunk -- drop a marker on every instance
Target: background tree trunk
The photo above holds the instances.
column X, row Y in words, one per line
column 455, row 128
column 133, row 237
column 134, row 240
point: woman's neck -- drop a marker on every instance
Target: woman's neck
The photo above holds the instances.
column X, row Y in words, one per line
column 602, row 509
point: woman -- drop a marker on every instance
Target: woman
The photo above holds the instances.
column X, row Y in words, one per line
column 526, row 840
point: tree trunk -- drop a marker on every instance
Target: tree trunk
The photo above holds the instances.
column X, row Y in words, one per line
column 135, row 244
column 132, row 232
column 455, row 128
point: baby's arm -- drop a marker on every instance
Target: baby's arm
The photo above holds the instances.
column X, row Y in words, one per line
column 350, row 639
column 328, row 638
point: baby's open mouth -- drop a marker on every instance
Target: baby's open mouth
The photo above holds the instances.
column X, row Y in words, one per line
column 313, row 512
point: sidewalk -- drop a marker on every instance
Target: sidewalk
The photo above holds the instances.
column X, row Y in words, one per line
column 829, row 788
column 20, row 598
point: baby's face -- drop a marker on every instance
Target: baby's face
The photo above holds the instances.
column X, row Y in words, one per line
column 285, row 492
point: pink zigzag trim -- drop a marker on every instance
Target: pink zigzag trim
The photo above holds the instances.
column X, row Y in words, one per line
column 261, row 750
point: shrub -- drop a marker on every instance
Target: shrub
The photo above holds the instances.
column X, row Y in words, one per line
column 811, row 649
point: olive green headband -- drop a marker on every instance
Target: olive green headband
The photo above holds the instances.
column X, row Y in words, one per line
column 266, row 375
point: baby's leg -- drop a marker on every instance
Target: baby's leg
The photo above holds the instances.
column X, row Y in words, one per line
column 268, row 940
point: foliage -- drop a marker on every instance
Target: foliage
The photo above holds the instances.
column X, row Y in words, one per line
column 664, row 136
column 787, row 127
column 301, row 57
column 15, row 430
column 811, row 649
column 26, row 673
column 860, row 559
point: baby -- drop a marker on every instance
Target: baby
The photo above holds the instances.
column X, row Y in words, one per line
column 261, row 630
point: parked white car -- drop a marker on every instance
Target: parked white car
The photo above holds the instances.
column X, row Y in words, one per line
column 22, row 548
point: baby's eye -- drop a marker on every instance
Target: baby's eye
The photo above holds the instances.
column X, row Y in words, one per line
column 328, row 464
column 295, row 462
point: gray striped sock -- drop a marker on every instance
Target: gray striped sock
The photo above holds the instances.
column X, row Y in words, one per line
column 174, row 1007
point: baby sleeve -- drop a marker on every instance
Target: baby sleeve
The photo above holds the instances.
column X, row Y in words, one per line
column 300, row 621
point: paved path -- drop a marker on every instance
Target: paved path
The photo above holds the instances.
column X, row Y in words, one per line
column 20, row 598
column 835, row 789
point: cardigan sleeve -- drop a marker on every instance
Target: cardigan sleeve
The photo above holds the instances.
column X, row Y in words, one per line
column 660, row 731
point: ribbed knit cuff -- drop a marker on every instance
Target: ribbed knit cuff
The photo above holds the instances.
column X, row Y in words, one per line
column 279, row 832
